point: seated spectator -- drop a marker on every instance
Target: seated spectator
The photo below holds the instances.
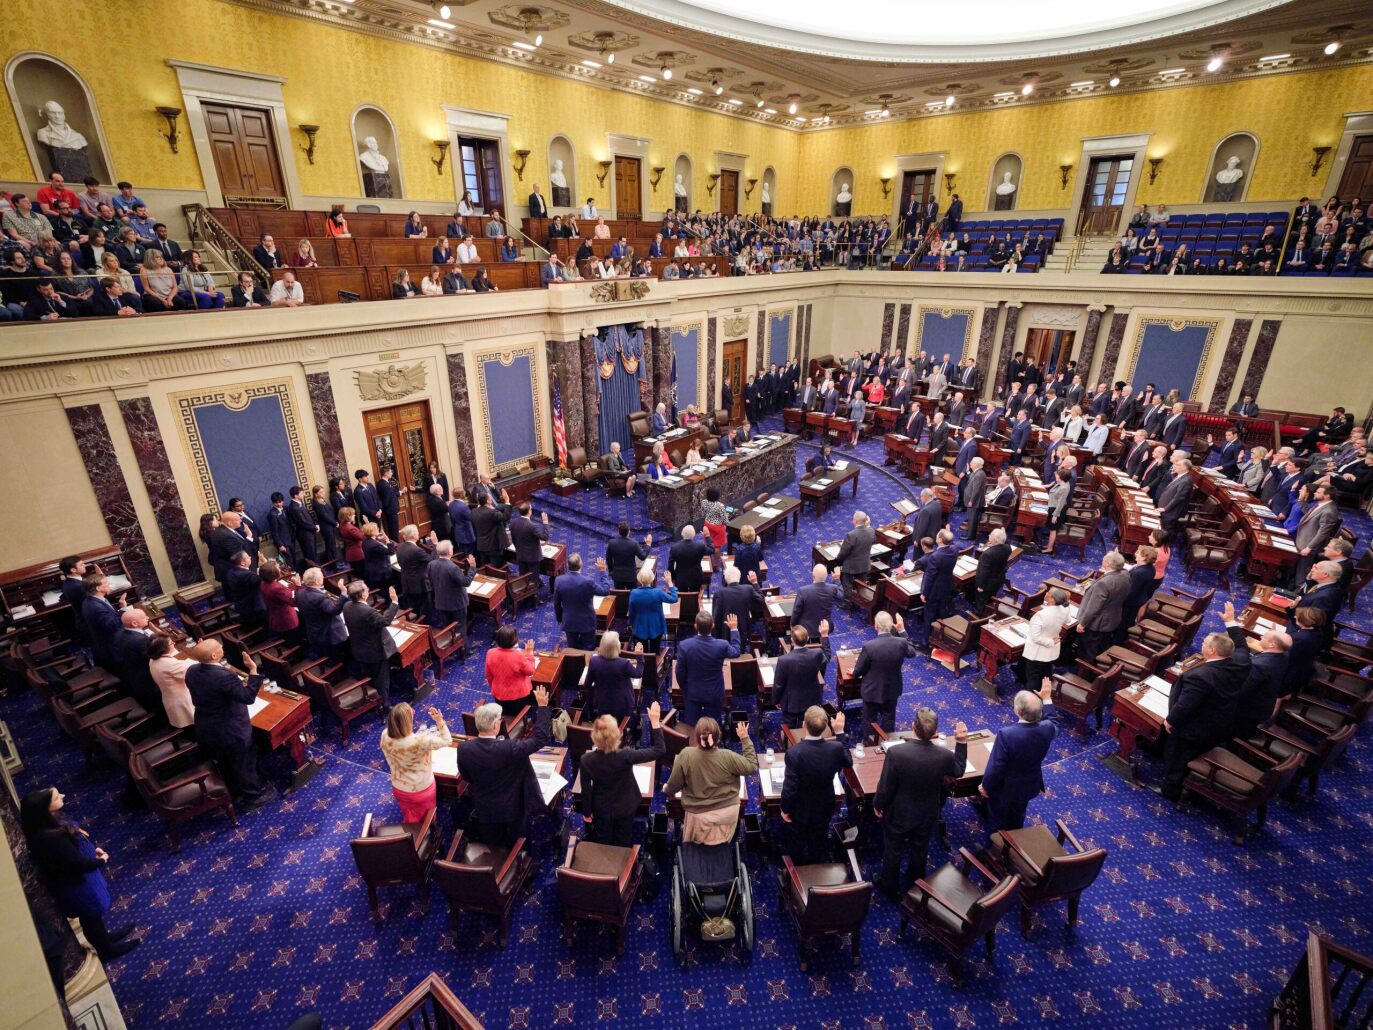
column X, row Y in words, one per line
column 655, row 249
column 441, row 254
column 111, row 299
column 432, row 284
column 45, row 305
column 107, row 222
column 549, row 272
column 467, row 251
column 481, row 282
column 1222, row 267
column 124, row 201
column 111, row 266
column 171, row 250
column 589, row 209
column 69, row 229
column 455, row 282
column 23, row 225
column 604, row 269
column 509, row 250
column 1160, row 216
column 415, row 227
column 247, row 293
column 161, row 292
column 1116, row 261
column 557, row 231
column 197, row 281
column 456, row 228
column 266, row 253
column 569, row 272
column 88, row 201
column 304, row 257
column 71, row 285
column 143, row 223
column 681, row 250
column 495, row 226
column 1155, row 258
column 467, row 206
column 336, row 225
column 1325, row 259
column 1140, row 218
column 286, row 292
column 401, row 286
column 1347, row 259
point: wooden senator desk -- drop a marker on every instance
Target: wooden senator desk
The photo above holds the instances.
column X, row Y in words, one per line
column 861, row 780
column 554, row 562
column 824, row 486
column 767, row 462
column 1032, row 503
column 1267, row 603
column 412, row 646
column 772, row 774
column 755, row 675
column 282, row 722
column 846, row 684
column 486, row 594
column 1132, row 509
column 1137, row 719
column 827, row 554
column 777, row 611
column 605, row 612
column 727, row 561
column 1271, row 553
column 550, row 766
column 35, row 592
column 775, row 512
column 672, row 613
column 676, row 442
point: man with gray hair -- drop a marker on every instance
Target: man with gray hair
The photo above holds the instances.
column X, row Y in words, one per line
column 815, row 601
column 370, row 638
column 322, row 614
column 1102, row 608
column 1202, row 707
column 855, row 551
column 736, row 598
column 413, row 558
column 503, row 786
column 1264, row 687
column 929, row 520
column 878, row 671
column 973, row 494
column 448, row 582
column 991, row 569
column 684, row 559
column 1014, row 774
column 1175, row 497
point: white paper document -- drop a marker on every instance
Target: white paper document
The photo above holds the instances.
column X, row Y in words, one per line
column 482, row 589
column 257, row 705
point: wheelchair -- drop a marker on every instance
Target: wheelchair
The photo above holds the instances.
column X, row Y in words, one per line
column 712, row 896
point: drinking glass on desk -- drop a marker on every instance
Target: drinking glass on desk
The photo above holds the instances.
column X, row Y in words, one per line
column 767, row 759
column 859, row 751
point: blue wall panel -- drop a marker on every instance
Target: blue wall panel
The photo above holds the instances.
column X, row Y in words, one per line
column 1170, row 358
column 509, row 404
column 779, row 339
column 940, row 335
column 686, row 349
column 248, row 452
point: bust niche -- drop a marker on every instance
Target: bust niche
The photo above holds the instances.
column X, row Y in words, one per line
column 58, row 117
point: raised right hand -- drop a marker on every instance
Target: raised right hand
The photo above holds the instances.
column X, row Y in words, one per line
column 655, row 718
column 541, row 696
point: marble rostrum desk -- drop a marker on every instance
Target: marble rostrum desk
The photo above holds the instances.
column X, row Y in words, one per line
column 739, row 478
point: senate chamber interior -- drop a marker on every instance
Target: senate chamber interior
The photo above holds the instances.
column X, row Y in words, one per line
column 539, row 514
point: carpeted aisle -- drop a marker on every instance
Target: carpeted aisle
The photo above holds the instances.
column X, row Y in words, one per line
column 249, row 927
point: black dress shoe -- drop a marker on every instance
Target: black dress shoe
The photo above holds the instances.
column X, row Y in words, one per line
column 122, row 932
column 120, row 949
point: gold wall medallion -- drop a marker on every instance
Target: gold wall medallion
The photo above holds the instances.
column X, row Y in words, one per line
column 390, row 383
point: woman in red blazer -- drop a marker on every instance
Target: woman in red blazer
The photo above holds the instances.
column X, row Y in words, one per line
column 350, row 534
column 279, row 595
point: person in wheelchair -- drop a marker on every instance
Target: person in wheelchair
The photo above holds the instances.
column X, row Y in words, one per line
column 707, row 776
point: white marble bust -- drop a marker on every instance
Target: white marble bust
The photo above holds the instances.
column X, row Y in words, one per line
column 844, row 195
column 767, row 194
column 678, row 188
column 372, row 158
column 57, row 133
column 1231, row 173
column 1005, row 187
column 556, row 177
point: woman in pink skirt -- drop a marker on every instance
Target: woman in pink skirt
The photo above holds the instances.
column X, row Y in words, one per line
column 409, row 755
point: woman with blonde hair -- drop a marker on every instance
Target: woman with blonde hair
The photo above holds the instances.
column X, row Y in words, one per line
column 610, row 791
column 409, row 756
column 707, row 775
column 111, row 268
column 610, row 679
column 304, row 257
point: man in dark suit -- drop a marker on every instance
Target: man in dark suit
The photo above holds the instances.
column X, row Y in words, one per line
column 1054, row 406
column 807, row 805
column 1020, row 435
column 322, row 615
column 700, row 669
column 1245, row 407
column 737, row 598
column 129, row 648
column 958, row 411
column 1264, row 686
column 1077, row 392
column 727, row 397
column 243, row 590
column 449, row 579
column 222, row 727
column 910, row 796
column 1014, row 774
column 1127, row 408
column 798, row 684
column 1134, row 457
column 1102, row 606
column 1175, row 496
column 990, row 426
column 279, row 528
column 1174, row 427
column 878, row 670
column 929, row 519
column 503, row 785
column 101, row 618
column 574, row 604
column 528, row 537
column 1321, row 590
column 991, row 569
column 1155, row 474
column 538, row 206
column 371, row 644
column 855, row 551
column 940, row 431
column 1201, row 708
column 1229, row 452
column 622, row 556
column 108, row 300
column 389, row 496
column 226, row 541
column 73, row 592
column 489, row 527
column 973, row 493
column 413, row 557
column 1155, row 418
column 914, row 424
column 304, row 529
column 684, row 559
column 966, row 452
column 936, row 585
column 815, row 601
column 365, row 498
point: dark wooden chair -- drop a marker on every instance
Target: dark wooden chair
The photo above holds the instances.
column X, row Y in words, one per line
column 1363, row 573
column 598, row 883
column 957, row 634
column 523, row 590
column 397, row 853
column 579, row 735
column 1214, row 554
column 347, row 698
column 827, row 899
column 956, row 912
column 1081, row 696
column 1320, row 751
column 585, row 473
column 446, row 642
column 865, row 597
column 477, row 877
column 1077, row 532
column 179, row 788
column 1048, row 871
column 1239, row 783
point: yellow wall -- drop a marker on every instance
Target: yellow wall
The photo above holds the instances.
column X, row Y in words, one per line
column 329, row 71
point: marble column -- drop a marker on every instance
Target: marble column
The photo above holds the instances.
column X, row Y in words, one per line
column 1115, row 339
column 591, row 406
column 148, row 448
column 1258, row 361
column 762, row 347
column 888, row 324
column 662, row 365
column 1007, row 348
column 321, row 393
column 112, row 494
column 648, row 385
column 810, row 317
column 903, row 327
column 462, row 419
column 986, row 337
column 1087, row 351
column 712, row 359
column 569, row 360
column 1229, row 365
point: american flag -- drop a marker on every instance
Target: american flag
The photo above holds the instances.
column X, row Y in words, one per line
column 673, row 398
column 559, row 435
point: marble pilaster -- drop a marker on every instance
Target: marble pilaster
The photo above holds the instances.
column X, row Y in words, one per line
column 321, row 392
column 986, row 337
column 591, row 407
column 462, row 419
column 1229, row 365
column 1115, row 339
column 1087, row 351
column 903, row 327
column 712, row 359
column 888, row 324
column 569, row 359
column 1258, row 361
column 810, row 317
column 112, row 493
column 661, row 384
column 762, row 344
column 146, row 438
column 1007, row 349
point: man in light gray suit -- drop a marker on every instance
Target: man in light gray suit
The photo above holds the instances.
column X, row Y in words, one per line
column 1099, row 614
column 855, row 553
column 974, row 496
column 1316, row 529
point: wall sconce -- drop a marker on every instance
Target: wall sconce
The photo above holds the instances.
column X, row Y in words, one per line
column 523, row 155
column 1154, row 164
column 886, row 188
column 948, row 181
column 173, row 137
column 1320, row 153
column 605, row 170
column 1063, row 172
column 443, row 146
column 655, row 178
column 711, row 180
column 309, row 131
column 748, row 189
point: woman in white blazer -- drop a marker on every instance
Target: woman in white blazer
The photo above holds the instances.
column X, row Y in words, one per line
column 1042, row 641
column 1073, row 425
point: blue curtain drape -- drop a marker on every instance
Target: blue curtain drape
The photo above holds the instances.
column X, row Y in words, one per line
column 620, row 392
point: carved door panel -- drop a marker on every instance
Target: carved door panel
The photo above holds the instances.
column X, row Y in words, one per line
column 735, row 353
column 402, row 438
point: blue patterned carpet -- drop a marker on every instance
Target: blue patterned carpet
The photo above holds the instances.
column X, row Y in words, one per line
column 249, row 927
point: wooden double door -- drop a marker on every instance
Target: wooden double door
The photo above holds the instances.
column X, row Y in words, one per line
column 729, row 193
column 402, row 438
column 1050, row 349
column 627, row 188
column 1103, row 200
column 245, row 153
column 1357, row 180
column 735, row 354
column 917, row 186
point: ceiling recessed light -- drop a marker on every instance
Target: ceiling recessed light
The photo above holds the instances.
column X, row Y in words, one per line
column 1214, row 64
column 1115, row 81
column 694, row 91
column 791, row 108
column 647, row 78
column 715, row 85
column 445, row 11
column 591, row 64
column 736, row 101
column 538, row 40
column 950, row 100
column 1027, row 89
column 769, row 110
column 520, row 44
column 1172, row 71
column 441, row 24
column 1331, row 47
column 1008, row 93
column 1275, row 57
column 759, row 102
column 610, row 58
column 667, row 73
column 1083, row 84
